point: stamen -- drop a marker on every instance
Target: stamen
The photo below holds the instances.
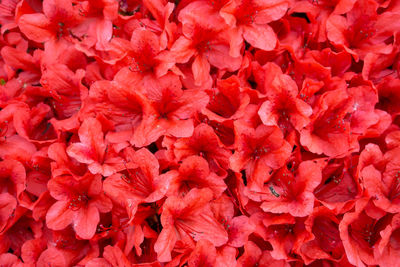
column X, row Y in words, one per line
column 78, row 202
column 260, row 151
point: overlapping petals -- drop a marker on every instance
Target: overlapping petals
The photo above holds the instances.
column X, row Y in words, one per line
column 199, row 133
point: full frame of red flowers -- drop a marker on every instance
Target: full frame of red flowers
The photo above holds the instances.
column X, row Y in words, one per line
column 200, row 133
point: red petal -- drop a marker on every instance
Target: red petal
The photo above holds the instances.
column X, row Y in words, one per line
column 58, row 10
column 204, row 254
column 115, row 256
column 104, row 31
column 9, row 260
column 59, row 215
column 32, row 249
column 54, row 257
column 200, row 69
column 239, row 229
column 165, row 243
column 98, row 262
column 36, row 27
column 251, row 256
column 86, row 220
column 260, row 36
column 8, row 204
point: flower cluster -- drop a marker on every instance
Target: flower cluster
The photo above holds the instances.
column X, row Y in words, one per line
column 199, row 133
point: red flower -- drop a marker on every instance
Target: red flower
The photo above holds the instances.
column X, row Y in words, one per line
column 199, row 133
column 360, row 232
column 194, row 172
column 12, row 177
column 9, row 260
column 207, row 41
column 329, row 130
column 58, row 18
column 389, row 96
column 34, row 124
column 161, row 11
column 393, row 140
column 173, row 107
column 239, row 228
column 8, row 206
column 339, row 188
column 283, row 108
column 187, row 220
column 66, row 89
column 99, row 16
column 204, row 142
column 387, row 250
column 63, row 164
column 291, row 191
column 285, row 233
column 227, row 102
column 62, row 257
column 339, row 62
column 224, row 130
column 363, row 30
column 260, row 151
column 252, row 18
column 115, row 256
column 78, row 202
column 326, row 242
column 383, row 186
column 32, row 249
column 7, row 14
column 141, row 182
column 126, row 108
column 18, row 231
column 253, row 255
column 146, row 56
column 204, row 254
column 92, row 149
column 18, row 59
column 364, row 115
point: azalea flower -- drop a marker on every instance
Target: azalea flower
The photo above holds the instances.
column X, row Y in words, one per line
column 187, row 220
column 199, row 133
column 78, row 203
column 291, row 191
column 326, row 242
column 252, row 18
column 360, row 232
column 194, row 172
column 283, row 108
column 209, row 45
column 329, row 124
column 260, row 151
column 54, row 24
column 140, row 182
column 204, row 142
column 92, row 149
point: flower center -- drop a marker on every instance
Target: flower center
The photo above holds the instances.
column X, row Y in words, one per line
column 259, row 152
column 246, row 13
column 202, row 39
column 78, row 202
column 137, row 180
column 361, row 31
column 139, row 66
column 281, row 230
column 60, row 29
